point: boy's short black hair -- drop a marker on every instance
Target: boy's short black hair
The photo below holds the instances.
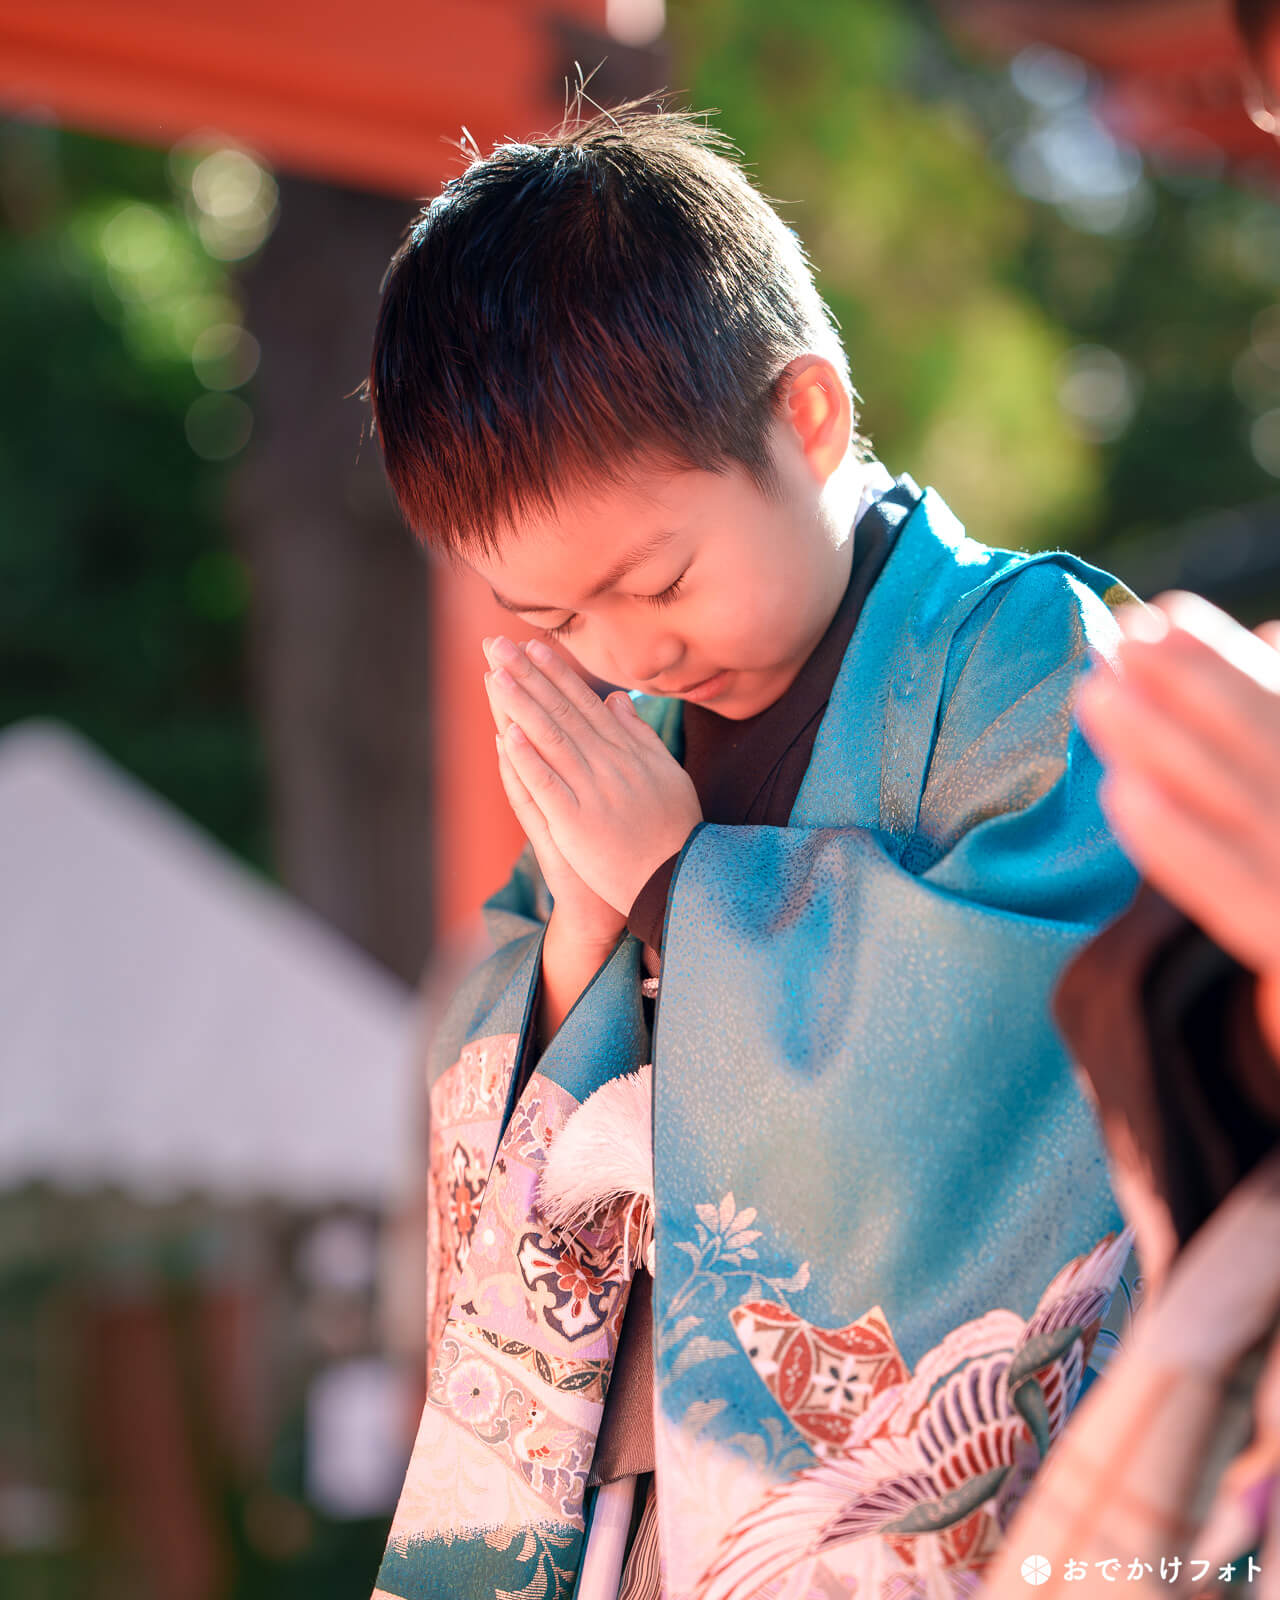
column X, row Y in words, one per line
column 613, row 293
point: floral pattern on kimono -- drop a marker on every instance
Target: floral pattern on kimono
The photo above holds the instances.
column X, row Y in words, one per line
column 521, row 1363
column 467, row 1103
column 914, row 1475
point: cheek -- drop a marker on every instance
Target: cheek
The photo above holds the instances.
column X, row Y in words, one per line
column 766, row 613
column 743, row 629
column 763, row 602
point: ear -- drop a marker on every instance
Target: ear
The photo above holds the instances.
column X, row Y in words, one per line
column 814, row 402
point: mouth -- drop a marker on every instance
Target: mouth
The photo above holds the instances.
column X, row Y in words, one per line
column 705, row 689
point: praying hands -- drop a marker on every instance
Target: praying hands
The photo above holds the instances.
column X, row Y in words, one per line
column 593, row 786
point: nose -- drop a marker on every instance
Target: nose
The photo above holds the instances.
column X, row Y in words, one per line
column 642, row 650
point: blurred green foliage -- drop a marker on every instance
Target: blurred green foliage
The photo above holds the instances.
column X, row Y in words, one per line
column 915, row 235
column 1184, row 300
column 122, row 605
column 969, row 308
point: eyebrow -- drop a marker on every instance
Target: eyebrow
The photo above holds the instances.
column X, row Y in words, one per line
column 619, row 570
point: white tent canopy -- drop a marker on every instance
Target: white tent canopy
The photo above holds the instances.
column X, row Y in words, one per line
column 170, row 1023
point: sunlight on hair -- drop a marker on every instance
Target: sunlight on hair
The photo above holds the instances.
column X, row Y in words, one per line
column 531, row 340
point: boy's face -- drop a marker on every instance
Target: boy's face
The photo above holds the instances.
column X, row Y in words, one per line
column 686, row 583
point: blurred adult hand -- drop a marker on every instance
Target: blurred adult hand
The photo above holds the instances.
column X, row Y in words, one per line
column 1188, row 729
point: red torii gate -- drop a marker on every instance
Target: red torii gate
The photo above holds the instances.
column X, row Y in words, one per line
column 375, row 101
column 1170, row 68
column 317, row 86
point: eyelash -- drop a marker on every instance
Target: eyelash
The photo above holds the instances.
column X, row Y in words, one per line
column 666, row 598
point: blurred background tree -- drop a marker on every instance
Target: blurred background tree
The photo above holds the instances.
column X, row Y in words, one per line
column 917, row 236
column 1074, row 344
column 163, row 589
column 122, row 603
column 139, row 569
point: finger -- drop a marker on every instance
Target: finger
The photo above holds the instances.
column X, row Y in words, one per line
column 551, row 738
column 1236, row 644
column 527, row 814
column 1188, row 652
column 1269, row 633
column 516, row 792
column 561, row 676
column 1198, row 866
column 1232, row 712
column 567, row 701
column 545, row 786
column 522, row 803
column 623, row 710
column 1131, row 733
column 1138, row 620
column 500, row 718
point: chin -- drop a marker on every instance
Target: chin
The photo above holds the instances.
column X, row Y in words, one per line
column 738, row 707
column 761, row 695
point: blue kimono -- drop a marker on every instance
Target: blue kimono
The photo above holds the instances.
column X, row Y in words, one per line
column 881, row 1230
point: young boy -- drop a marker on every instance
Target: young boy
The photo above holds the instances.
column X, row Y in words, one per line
column 849, row 824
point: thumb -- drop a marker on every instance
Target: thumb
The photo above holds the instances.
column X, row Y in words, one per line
column 527, row 811
column 1269, row 633
column 623, row 708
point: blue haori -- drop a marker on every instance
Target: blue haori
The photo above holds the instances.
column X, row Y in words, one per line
column 884, row 1238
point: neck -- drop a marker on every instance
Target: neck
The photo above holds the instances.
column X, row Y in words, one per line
column 842, row 498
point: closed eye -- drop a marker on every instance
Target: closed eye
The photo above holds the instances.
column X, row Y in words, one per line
column 668, row 594
column 665, row 598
